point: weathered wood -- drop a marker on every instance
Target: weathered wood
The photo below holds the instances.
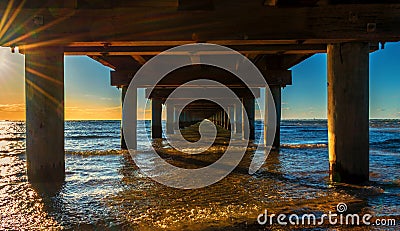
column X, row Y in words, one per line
column 156, row 110
column 123, row 93
column 348, row 112
column 238, row 118
column 136, row 51
column 197, row 92
column 170, row 119
column 195, row 5
column 189, row 73
column 118, row 63
column 249, row 108
column 102, row 61
column 161, row 23
column 139, row 59
column 276, row 94
column 44, row 86
column 122, row 77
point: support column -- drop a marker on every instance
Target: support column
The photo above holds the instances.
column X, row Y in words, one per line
column 221, row 114
column 238, row 118
column 170, row 119
column 226, row 119
column 223, row 119
column 348, row 112
column 176, row 118
column 276, row 94
column 156, row 110
column 44, row 90
column 123, row 93
column 231, row 111
column 133, row 116
column 188, row 117
column 182, row 119
column 249, row 108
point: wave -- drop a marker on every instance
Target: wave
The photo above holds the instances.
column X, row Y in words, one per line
column 314, row 130
column 12, row 139
column 97, row 152
column 388, row 141
column 314, row 145
column 81, row 137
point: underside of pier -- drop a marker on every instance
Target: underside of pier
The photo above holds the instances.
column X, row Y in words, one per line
column 273, row 34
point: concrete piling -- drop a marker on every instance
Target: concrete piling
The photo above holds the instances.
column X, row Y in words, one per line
column 44, row 89
column 156, row 110
column 348, row 111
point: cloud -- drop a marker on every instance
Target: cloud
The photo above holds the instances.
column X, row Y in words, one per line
column 93, row 110
column 106, row 99
column 12, row 107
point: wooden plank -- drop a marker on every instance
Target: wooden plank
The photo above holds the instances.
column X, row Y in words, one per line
column 102, row 61
column 178, row 43
column 316, row 24
column 155, row 50
column 139, row 59
column 198, row 93
column 186, row 74
column 271, row 2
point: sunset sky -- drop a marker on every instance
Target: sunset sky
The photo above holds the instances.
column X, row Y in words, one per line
column 90, row 96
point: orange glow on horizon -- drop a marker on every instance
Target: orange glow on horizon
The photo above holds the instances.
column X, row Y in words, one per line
column 17, row 112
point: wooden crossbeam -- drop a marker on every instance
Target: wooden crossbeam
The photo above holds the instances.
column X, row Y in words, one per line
column 137, row 51
column 102, row 61
column 189, row 73
column 139, row 59
column 340, row 23
column 198, row 93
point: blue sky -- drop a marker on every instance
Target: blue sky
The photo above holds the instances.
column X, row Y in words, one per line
column 90, row 96
column 307, row 97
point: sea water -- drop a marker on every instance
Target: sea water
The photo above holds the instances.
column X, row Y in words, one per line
column 104, row 189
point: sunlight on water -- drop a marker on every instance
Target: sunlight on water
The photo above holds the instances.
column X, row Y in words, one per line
column 104, row 189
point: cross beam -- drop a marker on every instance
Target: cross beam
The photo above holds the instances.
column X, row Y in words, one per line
column 233, row 20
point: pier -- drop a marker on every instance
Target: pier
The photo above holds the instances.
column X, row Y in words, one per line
column 274, row 34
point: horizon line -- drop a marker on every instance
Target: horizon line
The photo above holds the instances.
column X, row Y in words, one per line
column 72, row 120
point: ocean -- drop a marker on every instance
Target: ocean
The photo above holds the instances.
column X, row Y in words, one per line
column 104, row 189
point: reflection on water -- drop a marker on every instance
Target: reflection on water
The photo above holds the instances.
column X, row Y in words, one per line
column 105, row 190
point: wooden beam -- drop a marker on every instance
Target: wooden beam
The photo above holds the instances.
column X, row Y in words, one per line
column 139, row 59
column 198, row 93
column 186, row 74
column 102, row 61
column 155, row 50
column 289, row 61
column 119, row 63
column 271, row 2
column 178, row 43
column 341, row 23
